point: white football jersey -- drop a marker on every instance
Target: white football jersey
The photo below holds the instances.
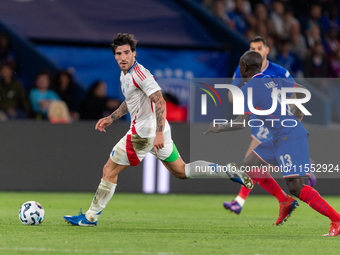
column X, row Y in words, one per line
column 137, row 85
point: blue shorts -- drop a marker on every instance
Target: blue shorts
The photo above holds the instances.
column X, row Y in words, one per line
column 260, row 134
column 291, row 155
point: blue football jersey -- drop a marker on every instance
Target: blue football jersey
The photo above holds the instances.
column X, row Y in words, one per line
column 261, row 133
column 270, row 69
column 262, row 99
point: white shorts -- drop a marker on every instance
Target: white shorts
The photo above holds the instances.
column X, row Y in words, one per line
column 132, row 149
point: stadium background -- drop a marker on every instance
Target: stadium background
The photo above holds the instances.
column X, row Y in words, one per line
column 178, row 40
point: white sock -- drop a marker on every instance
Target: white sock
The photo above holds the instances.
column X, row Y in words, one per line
column 200, row 168
column 103, row 195
column 240, row 200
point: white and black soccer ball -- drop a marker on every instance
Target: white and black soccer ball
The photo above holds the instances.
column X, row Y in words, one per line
column 31, row 213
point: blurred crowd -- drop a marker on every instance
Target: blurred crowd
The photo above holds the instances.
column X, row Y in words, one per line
column 303, row 36
column 54, row 97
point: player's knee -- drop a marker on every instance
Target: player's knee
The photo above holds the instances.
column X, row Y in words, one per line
column 295, row 191
column 295, row 186
column 252, row 165
column 251, row 160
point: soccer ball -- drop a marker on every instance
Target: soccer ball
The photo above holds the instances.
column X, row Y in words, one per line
column 31, row 213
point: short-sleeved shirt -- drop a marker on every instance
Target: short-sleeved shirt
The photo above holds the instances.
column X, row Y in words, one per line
column 137, row 85
column 261, row 133
column 262, row 88
column 270, row 69
column 289, row 147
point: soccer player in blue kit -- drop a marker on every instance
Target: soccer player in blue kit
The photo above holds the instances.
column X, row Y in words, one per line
column 289, row 145
column 260, row 133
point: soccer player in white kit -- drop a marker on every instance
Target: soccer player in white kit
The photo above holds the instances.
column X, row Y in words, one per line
column 149, row 132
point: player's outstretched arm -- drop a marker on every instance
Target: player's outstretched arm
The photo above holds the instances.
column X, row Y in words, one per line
column 296, row 111
column 160, row 107
column 104, row 122
column 120, row 112
column 236, row 124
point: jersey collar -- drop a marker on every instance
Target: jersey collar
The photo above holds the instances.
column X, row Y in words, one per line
column 132, row 66
column 265, row 68
column 256, row 75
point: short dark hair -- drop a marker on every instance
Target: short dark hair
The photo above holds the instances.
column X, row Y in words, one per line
column 123, row 39
column 46, row 72
column 259, row 39
column 253, row 60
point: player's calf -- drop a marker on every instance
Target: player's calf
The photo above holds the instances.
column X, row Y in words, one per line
column 103, row 195
column 177, row 168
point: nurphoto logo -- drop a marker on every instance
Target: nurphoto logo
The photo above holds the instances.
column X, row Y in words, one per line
column 277, row 95
column 238, row 99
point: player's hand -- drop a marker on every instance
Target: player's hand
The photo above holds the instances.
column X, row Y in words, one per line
column 103, row 123
column 158, row 143
column 212, row 128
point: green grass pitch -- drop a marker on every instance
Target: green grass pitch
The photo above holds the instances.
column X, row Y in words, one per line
column 164, row 225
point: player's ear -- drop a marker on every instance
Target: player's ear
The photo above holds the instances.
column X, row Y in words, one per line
column 267, row 50
column 245, row 68
column 134, row 53
column 242, row 67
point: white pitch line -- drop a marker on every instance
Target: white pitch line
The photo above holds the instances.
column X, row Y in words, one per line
column 81, row 251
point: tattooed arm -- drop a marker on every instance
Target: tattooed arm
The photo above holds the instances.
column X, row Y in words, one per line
column 160, row 106
column 104, row 122
column 120, row 112
column 159, row 102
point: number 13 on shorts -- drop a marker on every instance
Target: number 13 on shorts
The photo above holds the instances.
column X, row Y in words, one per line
column 286, row 160
column 292, row 156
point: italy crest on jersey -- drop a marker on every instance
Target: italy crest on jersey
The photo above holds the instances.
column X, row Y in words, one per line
column 126, row 85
